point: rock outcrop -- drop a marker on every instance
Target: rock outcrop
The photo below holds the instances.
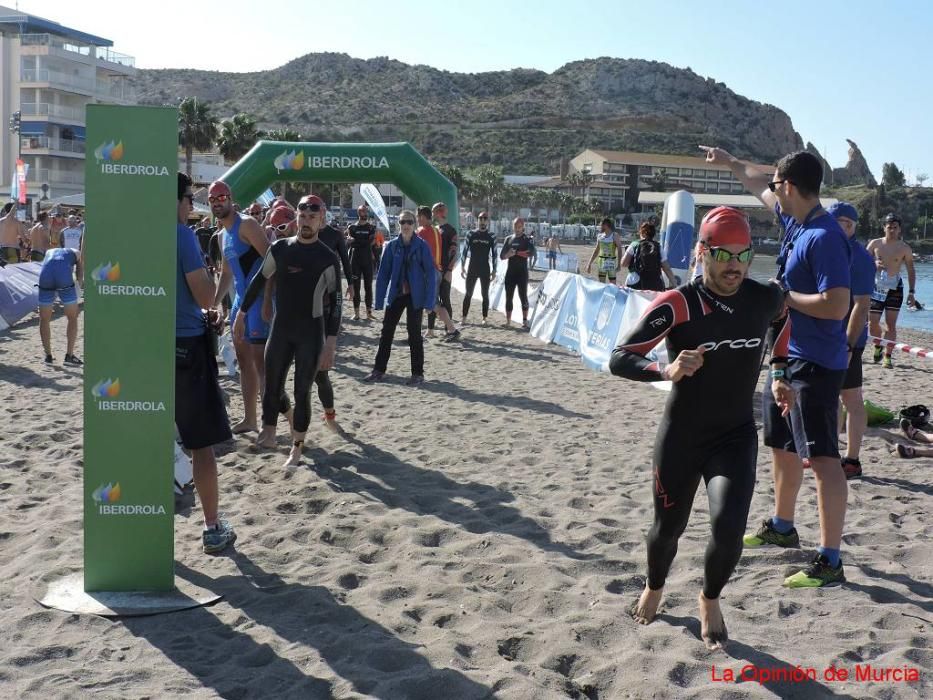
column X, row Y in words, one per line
column 856, row 170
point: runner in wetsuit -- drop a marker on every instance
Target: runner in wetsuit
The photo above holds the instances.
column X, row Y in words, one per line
column 481, row 249
column 243, row 244
column 715, row 329
column 517, row 249
column 306, row 321
column 362, row 238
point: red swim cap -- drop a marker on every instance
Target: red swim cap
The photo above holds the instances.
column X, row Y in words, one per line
column 312, row 199
column 281, row 215
column 725, row 226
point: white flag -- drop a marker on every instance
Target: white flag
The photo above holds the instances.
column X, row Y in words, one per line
column 374, row 200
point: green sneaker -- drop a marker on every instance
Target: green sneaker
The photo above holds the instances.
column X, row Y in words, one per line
column 887, row 363
column 768, row 535
column 218, row 537
column 876, row 354
column 818, row 574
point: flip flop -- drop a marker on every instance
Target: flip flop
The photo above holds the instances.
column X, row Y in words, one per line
column 905, row 451
column 908, row 428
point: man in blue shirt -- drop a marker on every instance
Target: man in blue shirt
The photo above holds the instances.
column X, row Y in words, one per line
column 200, row 415
column 814, row 271
column 862, row 271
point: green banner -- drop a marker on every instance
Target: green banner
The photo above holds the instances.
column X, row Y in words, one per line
column 129, row 347
column 396, row 163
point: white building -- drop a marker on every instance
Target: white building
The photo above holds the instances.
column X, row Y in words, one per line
column 49, row 73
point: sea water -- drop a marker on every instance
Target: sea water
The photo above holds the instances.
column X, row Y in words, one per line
column 764, row 267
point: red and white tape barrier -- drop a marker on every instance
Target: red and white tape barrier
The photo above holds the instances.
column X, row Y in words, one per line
column 903, row 347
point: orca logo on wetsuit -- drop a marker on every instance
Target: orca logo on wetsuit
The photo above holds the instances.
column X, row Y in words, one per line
column 738, row 344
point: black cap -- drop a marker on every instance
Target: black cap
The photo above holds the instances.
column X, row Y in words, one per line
column 891, row 217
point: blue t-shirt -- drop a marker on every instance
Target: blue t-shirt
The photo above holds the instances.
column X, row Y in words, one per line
column 189, row 319
column 817, row 260
column 862, row 270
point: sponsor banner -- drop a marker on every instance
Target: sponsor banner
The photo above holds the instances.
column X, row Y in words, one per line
column 565, row 262
column 550, row 298
column 599, row 319
column 378, row 206
column 19, row 294
column 567, row 332
column 637, row 303
column 130, row 348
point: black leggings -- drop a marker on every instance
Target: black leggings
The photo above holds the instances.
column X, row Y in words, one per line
column 483, row 278
column 729, row 473
column 443, row 299
column 325, row 390
column 303, row 346
column 517, row 280
column 362, row 271
column 390, row 319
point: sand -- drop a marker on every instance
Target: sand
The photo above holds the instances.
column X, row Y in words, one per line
column 479, row 536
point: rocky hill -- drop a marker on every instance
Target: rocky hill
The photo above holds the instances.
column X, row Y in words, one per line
column 524, row 120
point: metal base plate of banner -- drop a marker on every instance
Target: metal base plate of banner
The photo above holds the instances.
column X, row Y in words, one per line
column 68, row 594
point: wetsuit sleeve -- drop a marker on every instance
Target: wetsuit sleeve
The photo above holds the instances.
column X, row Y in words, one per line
column 257, row 285
column 629, row 359
column 493, row 253
column 466, row 249
column 334, row 305
column 344, row 258
column 506, row 244
column 452, row 250
column 780, row 326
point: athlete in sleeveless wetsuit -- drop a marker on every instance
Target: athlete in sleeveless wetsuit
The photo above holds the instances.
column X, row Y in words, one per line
column 306, row 321
column 517, row 249
column 606, row 253
column 481, row 249
column 362, row 238
column 716, row 329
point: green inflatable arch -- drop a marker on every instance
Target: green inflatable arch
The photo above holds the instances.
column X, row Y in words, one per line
column 396, row 163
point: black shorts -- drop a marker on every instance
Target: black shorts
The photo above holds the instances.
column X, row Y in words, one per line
column 811, row 429
column 200, row 414
column 853, row 378
column 894, row 299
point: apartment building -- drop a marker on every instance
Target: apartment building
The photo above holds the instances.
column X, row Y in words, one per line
column 617, row 177
column 48, row 74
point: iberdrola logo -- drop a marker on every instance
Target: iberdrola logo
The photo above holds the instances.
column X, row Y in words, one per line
column 107, row 493
column 109, row 151
column 107, row 388
column 289, row 161
column 108, row 272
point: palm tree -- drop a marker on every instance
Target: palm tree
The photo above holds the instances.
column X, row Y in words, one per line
column 237, row 135
column 196, row 128
column 490, row 181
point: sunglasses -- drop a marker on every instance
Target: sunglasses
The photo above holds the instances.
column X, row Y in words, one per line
column 282, row 227
column 482, row 218
column 774, row 183
column 309, row 207
column 218, row 198
column 721, row 255
column 406, row 222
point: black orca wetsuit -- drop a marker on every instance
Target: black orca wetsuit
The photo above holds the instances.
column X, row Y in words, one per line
column 481, row 248
column 337, row 242
column 516, row 274
column 708, row 428
column 362, row 238
column 307, row 309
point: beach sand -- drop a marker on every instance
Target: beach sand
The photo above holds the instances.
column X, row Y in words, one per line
column 479, row 536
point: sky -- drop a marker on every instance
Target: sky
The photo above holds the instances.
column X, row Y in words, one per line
column 859, row 70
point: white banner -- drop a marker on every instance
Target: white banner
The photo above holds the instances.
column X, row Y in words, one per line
column 546, row 311
column 376, row 203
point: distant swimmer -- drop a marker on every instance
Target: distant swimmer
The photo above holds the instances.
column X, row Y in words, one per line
column 306, row 321
column 517, row 249
column 607, row 253
column 40, row 237
column 553, row 248
column 891, row 254
column 12, row 234
column 480, row 250
column 362, row 239
column 62, row 269
column 715, row 329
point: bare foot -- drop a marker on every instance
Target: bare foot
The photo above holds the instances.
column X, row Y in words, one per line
column 294, row 456
column 330, row 421
column 484, row 320
column 243, row 427
column 645, row 610
column 266, row 437
column 712, row 626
